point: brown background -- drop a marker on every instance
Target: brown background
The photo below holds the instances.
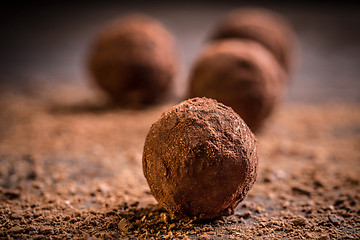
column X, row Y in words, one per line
column 51, row 39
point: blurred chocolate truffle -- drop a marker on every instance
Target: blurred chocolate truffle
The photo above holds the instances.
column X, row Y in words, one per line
column 264, row 26
column 135, row 60
column 241, row 74
column 200, row 159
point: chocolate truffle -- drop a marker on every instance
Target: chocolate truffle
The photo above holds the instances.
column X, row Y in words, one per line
column 135, row 60
column 264, row 26
column 241, row 74
column 200, row 159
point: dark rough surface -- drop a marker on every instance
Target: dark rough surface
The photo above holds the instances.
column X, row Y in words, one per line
column 265, row 26
column 72, row 169
column 241, row 74
column 200, row 159
column 75, row 165
column 134, row 59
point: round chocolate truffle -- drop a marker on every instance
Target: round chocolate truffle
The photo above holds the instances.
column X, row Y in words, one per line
column 241, row 74
column 135, row 60
column 264, row 26
column 200, row 159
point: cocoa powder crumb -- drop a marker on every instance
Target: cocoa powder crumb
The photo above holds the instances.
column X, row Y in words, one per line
column 46, row 230
column 89, row 157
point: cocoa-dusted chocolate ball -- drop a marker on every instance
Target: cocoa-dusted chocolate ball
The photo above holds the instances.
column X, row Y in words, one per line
column 241, row 74
column 135, row 60
column 200, row 159
column 264, row 26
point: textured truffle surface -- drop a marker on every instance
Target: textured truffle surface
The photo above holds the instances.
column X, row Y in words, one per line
column 135, row 60
column 242, row 75
column 264, row 26
column 200, row 159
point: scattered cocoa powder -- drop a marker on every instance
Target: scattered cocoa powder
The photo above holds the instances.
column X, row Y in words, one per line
column 200, row 159
column 76, row 173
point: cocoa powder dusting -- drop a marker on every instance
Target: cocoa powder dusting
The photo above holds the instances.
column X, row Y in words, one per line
column 72, row 169
column 200, row 159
